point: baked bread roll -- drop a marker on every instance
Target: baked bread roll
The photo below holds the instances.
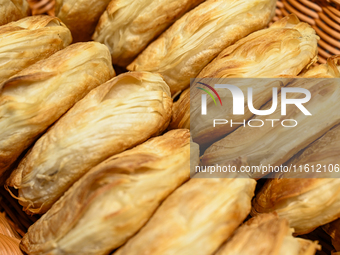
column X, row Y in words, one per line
column 36, row 97
column 12, row 10
column 80, row 16
column 28, row 40
column 128, row 26
column 195, row 219
column 182, row 51
column 181, row 111
column 329, row 70
column 306, row 199
column 267, row 234
column 113, row 200
column 119, row 114
column 284, row 49
column 273, row 143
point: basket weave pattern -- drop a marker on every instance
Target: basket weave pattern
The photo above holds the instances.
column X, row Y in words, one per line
column 322, row 15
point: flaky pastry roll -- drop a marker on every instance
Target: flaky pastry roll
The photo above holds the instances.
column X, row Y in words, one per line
column 36, row 97
column 80, row 16
column 114, row 200
column 267, row 234
column 182, row 51
column 195, row 219
column 304, row 198
column 128, row 26
column 329, row 70
column 284, row 49
column 28, row 40
column 273, row 143
column 12, row 10
column 119, row 114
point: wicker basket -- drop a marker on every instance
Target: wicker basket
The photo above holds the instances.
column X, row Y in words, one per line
column 323, row 16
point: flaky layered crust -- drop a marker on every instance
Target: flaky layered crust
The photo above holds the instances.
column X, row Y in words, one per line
column 80, row 16
column 196, row 219
column 36, row 97
column 306, row 203
column 9, row 239
column 329, row 70
column 127, row 27
column 12, row 10
column 28, row 40
column 182, row 51
column 112, row 201
column 119, row 114
column 284, row 49
column 267, row 234
column 274, row 144
column 181, row 111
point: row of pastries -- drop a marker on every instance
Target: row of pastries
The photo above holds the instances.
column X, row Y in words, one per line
column 105, row 158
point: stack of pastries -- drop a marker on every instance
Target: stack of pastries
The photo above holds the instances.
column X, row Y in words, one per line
column 105, row 160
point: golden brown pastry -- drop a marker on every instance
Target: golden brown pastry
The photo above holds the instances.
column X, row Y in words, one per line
column 329, row 70
column 267, row 234
column 9, row 245
column 273, row 143
column 37, row 96
column 80, row 16
column 119, row 114
column 195, row 219
column 29, row 40
column 114, row 200
column 12, row 10
column 284, row 49
column 181, row 111
column 128, row 26
column 9, row 239
column 333, row 229
column 306, row 200
column 182, row 51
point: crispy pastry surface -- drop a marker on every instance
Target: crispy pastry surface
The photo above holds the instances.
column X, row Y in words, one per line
column 310, row 202
column 195, row 219
column 37, row 96
column 329, row 70
column 119, row 114
column 29, row 40
column 9, row 239
column 113, row 200
column 274, row 144
column 267, row 234
column 128, row 26
column 80, row 16
column 284, row 49
column 182, row 51
column 12, row 10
